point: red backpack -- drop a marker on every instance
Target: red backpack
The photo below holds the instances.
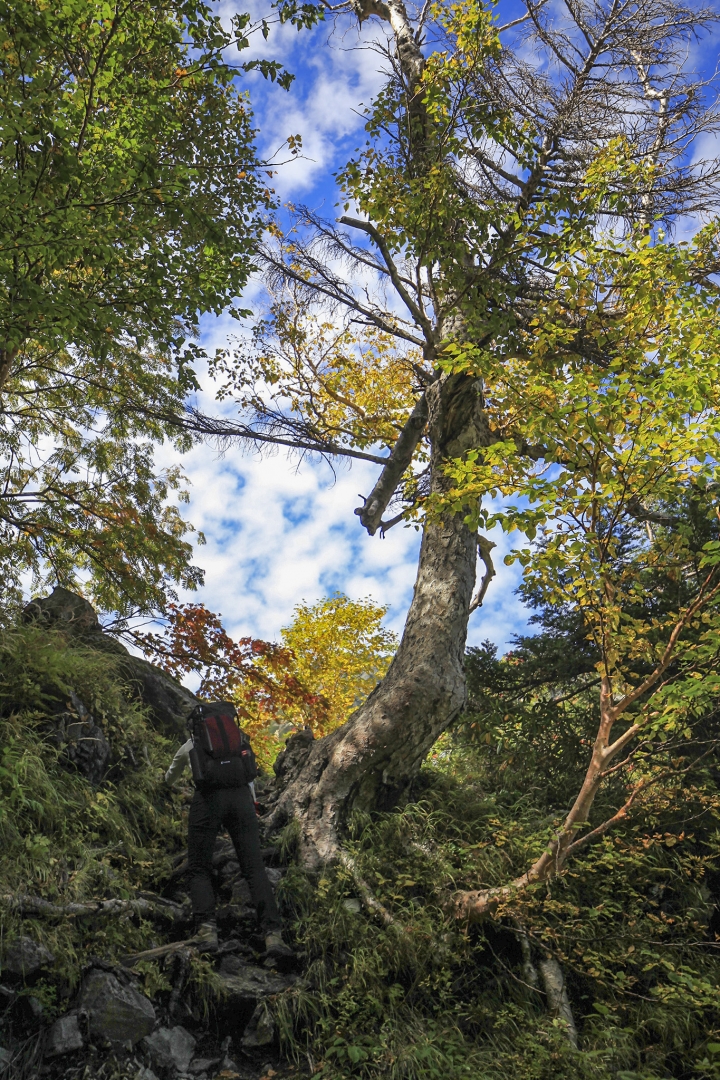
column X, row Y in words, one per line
column 222, row 756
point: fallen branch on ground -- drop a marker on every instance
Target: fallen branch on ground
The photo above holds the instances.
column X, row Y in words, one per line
column 35, row 905
column 156, row 953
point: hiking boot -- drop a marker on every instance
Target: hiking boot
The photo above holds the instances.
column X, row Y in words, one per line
column 206, row 939
column 275, row 947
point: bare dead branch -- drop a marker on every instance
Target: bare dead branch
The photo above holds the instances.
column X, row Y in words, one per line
column 635, row 508
column 35, row 905
column 485, row 546
column 415, row 310
column 400, row 457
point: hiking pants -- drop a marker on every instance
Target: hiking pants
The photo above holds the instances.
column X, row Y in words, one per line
column 234, row 809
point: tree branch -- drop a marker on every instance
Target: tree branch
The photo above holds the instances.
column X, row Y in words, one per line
column 200, row 424
column 400, row 457
column 417, row 313
column 636, row 510
column 35, row 905
column 485, row 546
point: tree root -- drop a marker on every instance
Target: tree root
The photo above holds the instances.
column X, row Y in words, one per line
column 368, row 900
column 155, row 954
column 556, row 995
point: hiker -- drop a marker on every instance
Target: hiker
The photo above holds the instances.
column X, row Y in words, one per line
column 223, row 767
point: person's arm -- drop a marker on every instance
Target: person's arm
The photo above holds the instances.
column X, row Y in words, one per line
column 179, row 763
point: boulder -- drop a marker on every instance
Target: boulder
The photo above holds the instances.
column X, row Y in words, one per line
column 116, row 1012
column 170, row 1048
column 245, row 983
column 169, row 701
column 24, row 957
column 260, row 1031
column 243, row 987
column 64, row 1036
column 63, row 610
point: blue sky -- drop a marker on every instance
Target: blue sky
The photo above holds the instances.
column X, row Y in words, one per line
column 280, row 531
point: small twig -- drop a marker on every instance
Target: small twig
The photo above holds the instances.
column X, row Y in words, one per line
column 521, row 19
column 574, row 693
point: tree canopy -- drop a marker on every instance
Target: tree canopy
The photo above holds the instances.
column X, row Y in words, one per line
column 130, row 203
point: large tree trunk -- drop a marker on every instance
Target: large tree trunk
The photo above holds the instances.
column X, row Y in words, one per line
column 371, row 761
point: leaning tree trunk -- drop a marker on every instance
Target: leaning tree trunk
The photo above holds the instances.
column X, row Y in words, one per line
column 370, row 762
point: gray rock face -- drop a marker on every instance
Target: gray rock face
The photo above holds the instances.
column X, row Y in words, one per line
column 64, row 1036
column 169, row 701
column 170, row 1048
column 115, row 1012
column 25, row 957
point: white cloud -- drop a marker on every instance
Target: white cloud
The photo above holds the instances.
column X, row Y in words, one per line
column 281, row 531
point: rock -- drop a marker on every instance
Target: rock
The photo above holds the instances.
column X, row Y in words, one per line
column 82, row 741
column 6, row 1057
column 115, row 1012
column 203, row 1065
column 25, row 957
column 170, row 1048
column 274, row 876
column 64, row 1036
column 260, row 1031
column 169, row 701
column 144, row 1073
column 63, row 609
column 36, row 1007
column 291, row 758
column 245, row 985
column 242, row 988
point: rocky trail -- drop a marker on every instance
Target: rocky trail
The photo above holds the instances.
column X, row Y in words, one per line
column 163, row 1012
column 112, row 1029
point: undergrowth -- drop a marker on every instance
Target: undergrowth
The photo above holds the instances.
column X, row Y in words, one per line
column 61, row 837
column 426, row 997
